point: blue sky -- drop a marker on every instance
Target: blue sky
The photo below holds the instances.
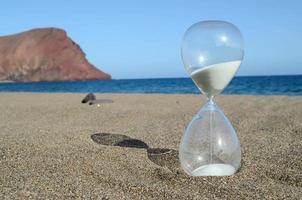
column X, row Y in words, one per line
column 141, row 39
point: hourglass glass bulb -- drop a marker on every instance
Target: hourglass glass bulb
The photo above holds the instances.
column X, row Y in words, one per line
column 212, row 52
column 210, row 146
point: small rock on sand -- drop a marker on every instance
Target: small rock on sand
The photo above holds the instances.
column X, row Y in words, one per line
column 89, row 97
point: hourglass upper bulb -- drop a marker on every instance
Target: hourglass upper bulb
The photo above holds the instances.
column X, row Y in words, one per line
column 212, row 52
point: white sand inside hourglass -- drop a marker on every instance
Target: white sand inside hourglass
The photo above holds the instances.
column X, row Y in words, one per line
column 214, row 170
column 213, row 79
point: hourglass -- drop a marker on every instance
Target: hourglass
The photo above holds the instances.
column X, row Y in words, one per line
column 212, row 52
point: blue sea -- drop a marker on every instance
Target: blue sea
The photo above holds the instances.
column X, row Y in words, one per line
column 247, row 85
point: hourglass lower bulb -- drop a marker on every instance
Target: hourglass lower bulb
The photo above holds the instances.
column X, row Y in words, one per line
column 212, row 52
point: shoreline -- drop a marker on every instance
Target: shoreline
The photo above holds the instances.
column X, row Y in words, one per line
column 290, row 86
column 167, row 94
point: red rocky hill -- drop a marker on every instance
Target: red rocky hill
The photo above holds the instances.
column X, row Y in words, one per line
column 46, row 54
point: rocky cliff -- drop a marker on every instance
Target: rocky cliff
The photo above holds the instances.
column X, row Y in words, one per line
column 46, row 54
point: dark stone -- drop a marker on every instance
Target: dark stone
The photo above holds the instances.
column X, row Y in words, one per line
column 89, row 97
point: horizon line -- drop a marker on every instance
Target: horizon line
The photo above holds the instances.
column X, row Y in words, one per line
column 189, row 77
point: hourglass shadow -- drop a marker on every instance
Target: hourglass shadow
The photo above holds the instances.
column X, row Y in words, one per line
column 117, row 140
column 162, row 157
column 165, row 158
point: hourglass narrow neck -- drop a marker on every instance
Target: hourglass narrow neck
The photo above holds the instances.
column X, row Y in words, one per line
column 211, row 100
column 209, row 106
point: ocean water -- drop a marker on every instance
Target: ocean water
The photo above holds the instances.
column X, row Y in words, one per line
column 248, row 85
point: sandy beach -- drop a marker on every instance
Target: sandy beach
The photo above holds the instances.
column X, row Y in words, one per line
column 54, row 147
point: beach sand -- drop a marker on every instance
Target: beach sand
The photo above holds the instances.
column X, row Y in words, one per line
column 52, row 146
